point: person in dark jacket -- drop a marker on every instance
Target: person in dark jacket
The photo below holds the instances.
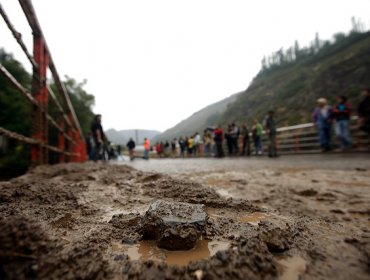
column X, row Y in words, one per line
column 219, row 138
column 363, row 111
column 131, row 148
column 270, row 129
column 342, row 115
column 246, row 141
column 98, row 137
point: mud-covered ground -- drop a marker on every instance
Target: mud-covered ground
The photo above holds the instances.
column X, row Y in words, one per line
column 289, row 218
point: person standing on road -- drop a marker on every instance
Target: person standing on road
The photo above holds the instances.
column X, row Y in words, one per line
column 246, row 149
column 98, row 138
column 257, row 130
column 207, row 140
column 146, row 148
column 219, row 138
column 182, row 147
column 270, row 128
column 173, row 148
column 342, row 115
column 234, row 135
column 190, row 146
column 131, row 148
column 196, row 144
column 363, row 111
column 323, row 119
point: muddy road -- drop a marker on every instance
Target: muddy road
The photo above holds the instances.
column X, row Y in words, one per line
column 290, row 218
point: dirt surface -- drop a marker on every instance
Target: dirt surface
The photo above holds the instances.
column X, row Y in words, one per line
column 266, row 219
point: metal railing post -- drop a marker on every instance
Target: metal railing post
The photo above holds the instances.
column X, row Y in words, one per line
column 39, row 121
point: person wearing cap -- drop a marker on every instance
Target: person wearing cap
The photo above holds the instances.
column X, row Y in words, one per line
column 322, row 118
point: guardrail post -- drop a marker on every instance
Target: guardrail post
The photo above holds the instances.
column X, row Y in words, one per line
column 71, row 136
column 40, row 92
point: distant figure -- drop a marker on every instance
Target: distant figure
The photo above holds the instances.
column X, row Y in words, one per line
column 131, row 148
column 207, row 140
column 229, row 140
column 257, row 130
column 219, row 138
column 146, row 148
column 98, row 137
column 246, row 149
column 363, row 111
column 173, row 147
column 159, row 149
column 119, row 149
column 190, row 146
column 166, row 149
column 270, row 128
column 341, row 115
column 196, row 144
column 234, row 138
column 182, row 147
column 322, row 119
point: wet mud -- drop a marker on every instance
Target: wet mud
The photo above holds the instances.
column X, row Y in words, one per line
column 91, row 221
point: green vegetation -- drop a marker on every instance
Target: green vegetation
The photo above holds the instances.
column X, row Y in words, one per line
column 290, row 82
column 16, row 114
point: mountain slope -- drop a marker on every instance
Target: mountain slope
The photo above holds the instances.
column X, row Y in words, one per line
column 198, row 121
column 292, row 88
column 121, row 137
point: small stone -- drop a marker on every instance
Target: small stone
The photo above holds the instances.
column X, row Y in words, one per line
column 175, row 225
column 127, row 240
column 222, row 256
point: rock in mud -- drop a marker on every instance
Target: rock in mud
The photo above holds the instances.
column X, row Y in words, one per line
column 175, row 225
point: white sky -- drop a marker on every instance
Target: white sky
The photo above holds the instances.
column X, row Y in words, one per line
column 152, row 63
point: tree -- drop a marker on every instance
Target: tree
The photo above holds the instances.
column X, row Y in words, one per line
column 296, row 49
column 264, row 63
column 15, row 116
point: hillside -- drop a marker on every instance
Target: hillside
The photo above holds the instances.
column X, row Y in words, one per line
column 292, row 86
column 290, row 83
column 197, row 121
column 121, row 137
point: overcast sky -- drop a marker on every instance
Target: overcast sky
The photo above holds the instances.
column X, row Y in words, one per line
column 151, row 64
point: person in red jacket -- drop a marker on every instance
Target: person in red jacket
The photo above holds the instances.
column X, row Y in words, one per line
column 219, row 138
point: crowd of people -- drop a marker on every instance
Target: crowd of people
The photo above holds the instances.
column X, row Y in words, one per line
column 325, row 117
column 238, row 140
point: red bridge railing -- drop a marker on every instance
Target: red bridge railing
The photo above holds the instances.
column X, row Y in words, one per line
column 71, row 144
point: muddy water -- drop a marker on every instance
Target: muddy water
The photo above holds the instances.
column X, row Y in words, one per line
column 253, row 218
column 147, row 250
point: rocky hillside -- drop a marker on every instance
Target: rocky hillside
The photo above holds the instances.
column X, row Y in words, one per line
column 290, row 82
column 291, row 86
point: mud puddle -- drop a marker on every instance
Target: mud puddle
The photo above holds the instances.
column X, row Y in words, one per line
column 244, row 218
column 148, row 250
column 254, row 218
